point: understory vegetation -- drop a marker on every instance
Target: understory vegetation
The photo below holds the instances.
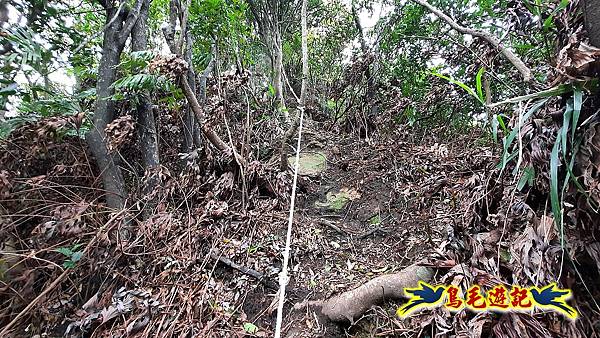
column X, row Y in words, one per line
column 148, row 153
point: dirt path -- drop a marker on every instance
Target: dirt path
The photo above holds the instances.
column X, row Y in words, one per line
column 376, row 208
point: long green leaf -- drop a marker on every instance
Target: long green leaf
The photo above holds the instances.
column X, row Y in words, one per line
column 478, row 83
column 554, row 198
column 577, row 103
column 460, row 84
column 527, row 178
column 507, row 141
column 556, row 91
column 495, row 127
column 566, row 124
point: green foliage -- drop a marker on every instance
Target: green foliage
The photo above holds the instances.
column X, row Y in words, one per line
column 527, row 178
column 507, row 154
column 566, row 144
column 72, row 254
column 140, row 82
column 468, row 89
column 570, row 120
column 136, row 78
column 330, row 27
column 250, row 328
column 222, row 22
column 479, row 85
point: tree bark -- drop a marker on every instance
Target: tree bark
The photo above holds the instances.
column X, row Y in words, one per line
column 303, row 24
column 191, row 130
column 210, row 134
column 145, row 114
column 112, row 177
column 115, row 36
column 267, row 16
column 592, row 21
column 187, row 81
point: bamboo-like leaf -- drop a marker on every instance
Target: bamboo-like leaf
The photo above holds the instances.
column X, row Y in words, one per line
column 566, row 124
column 527, row 178
column 495, row 124
column 478, row 80
column 554, row 197
column 502, row 124
column 507, row 141
column 556, row 91
column 577, row 103
column 460, row 84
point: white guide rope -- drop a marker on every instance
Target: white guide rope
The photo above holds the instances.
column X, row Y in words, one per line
column 283, row 276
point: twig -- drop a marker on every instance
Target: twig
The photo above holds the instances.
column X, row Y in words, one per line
column 333, row 226
column 247, row 271
column 373, row 231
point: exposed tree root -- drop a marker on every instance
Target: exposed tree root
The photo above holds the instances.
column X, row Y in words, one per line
column 350, row 305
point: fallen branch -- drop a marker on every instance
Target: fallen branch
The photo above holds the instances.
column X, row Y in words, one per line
column 247, row 271
column 351, row 305
column 210, row 134
column 508, row 54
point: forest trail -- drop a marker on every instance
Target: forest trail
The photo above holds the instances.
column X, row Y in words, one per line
column 145, row 192
column 372, row 207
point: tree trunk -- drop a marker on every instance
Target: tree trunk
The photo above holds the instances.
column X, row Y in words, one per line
column 210, row 134
column 278, row 72
column 592, row 21
column 115, row 36
column 304, row 28
column 191, row 131
column 147, row 127
column 104, row 111
column 283, row 163
column 370, row 94
column 201, row 92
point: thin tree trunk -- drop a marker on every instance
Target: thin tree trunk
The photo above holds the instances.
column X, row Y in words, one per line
column 147, row 127
column 191, row 130
column 303, row 24
column 201, row 92
column 210, row 134
column 283, row 163
column 278, row 72
column 370, row 95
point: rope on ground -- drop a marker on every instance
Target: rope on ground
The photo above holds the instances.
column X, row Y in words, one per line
column 283, row 275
